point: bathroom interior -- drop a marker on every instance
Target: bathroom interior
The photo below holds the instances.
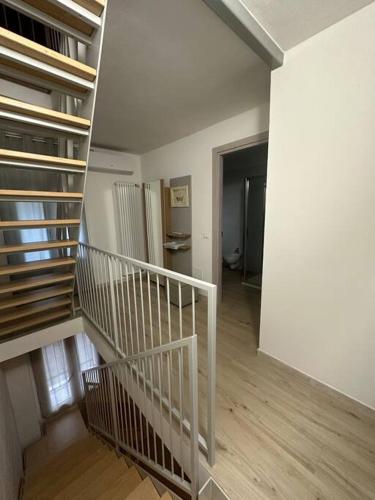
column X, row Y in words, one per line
column 243, row 211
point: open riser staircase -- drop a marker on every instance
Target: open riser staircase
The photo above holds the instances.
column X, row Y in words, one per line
column 49, row 62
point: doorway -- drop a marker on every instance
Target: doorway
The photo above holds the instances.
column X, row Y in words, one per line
column 231, row 157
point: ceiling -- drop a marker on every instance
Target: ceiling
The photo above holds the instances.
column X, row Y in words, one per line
column 170, row 68
column 290, row 22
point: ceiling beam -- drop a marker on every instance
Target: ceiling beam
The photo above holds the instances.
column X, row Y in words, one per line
column 243, row 23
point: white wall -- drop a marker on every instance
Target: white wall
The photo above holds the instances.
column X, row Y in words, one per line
column 192, row 155
column 23, row 395
column 100, row 214
column 319, row 274
column 10, row 447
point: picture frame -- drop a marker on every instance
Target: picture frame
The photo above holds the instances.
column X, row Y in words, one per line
column 180, row 196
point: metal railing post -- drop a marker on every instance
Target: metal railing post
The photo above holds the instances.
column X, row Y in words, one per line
column 194, row 458
column 113, row 409
column 113, row 304
column 211, row 374
column 87, row 402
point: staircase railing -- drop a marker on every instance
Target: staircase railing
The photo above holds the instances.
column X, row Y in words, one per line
column 121, row 406
column 137, row 306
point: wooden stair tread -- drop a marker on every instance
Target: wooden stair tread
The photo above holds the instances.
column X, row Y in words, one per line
column 17, row 224
column 95, row 480
column 123, row 486
column 22, row 193
column 62, row 15
column 37, row 265
column 37, row 246
column 65, row 485
column 21, row 312
column 74, row 452
column 43, row 54
column 52, row 480
column 35, row 282
column 10, row 154
column 35, row 296
column 32, row 322
column 8, row 104
column 144, row 491
column 94, row 6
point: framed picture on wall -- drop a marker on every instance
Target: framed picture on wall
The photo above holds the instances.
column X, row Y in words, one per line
column 179, row 196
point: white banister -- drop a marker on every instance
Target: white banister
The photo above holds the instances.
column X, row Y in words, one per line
column 121, row 408
column 125, row 300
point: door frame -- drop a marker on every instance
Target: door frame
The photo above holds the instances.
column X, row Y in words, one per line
column 217, row 199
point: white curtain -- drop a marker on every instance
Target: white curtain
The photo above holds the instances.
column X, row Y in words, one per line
column 57, row 370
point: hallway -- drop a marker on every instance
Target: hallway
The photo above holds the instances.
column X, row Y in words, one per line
column 279, row 435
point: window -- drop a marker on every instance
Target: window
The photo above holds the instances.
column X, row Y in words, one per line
column 58, row 375
column 87, row 354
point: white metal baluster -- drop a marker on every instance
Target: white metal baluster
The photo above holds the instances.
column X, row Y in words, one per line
column 150, row 309
column 160, row 374
column 181, row 410
column 152, row 368
column 180, row 308
column 211, row 373
column 137, row 370
column 103, row 296
column 133, row 406
column 194, row 460
column 193, row 310
column 124, row 311
column 143, row 364
column 114, row 407
column 124, row 408
column 142, row 310
column 112, row 302
column 129, row 309
column 129, row 405
column 168, row 355
column 169, row 312
column 159, row 313
column 135, row 309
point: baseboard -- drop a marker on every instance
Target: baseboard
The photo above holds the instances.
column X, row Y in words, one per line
column 312, row 380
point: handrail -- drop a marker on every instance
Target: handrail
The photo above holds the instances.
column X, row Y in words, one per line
column 123, row 298
column 121, row 408
column 188, row 280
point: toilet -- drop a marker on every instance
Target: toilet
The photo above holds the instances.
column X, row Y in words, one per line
column 233, row 260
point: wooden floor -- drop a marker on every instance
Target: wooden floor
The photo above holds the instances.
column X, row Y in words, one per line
column 279, row 435
column 60, row 433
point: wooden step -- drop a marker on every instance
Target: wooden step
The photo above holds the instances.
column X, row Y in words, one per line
column 48, row 483
column 95, row 480
column 20, row 156
column 25, row 224
column 58, row 12
column 45, row 55
column 37, row 246
column 35, row 282
column 145, row 491
column 21, row 193
column 40, row 113
column 38, row 265
column 31, row 323
column 94, row 6
column 35, row 296
column 70, row 457
column 123, row 486
column 24, row 311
